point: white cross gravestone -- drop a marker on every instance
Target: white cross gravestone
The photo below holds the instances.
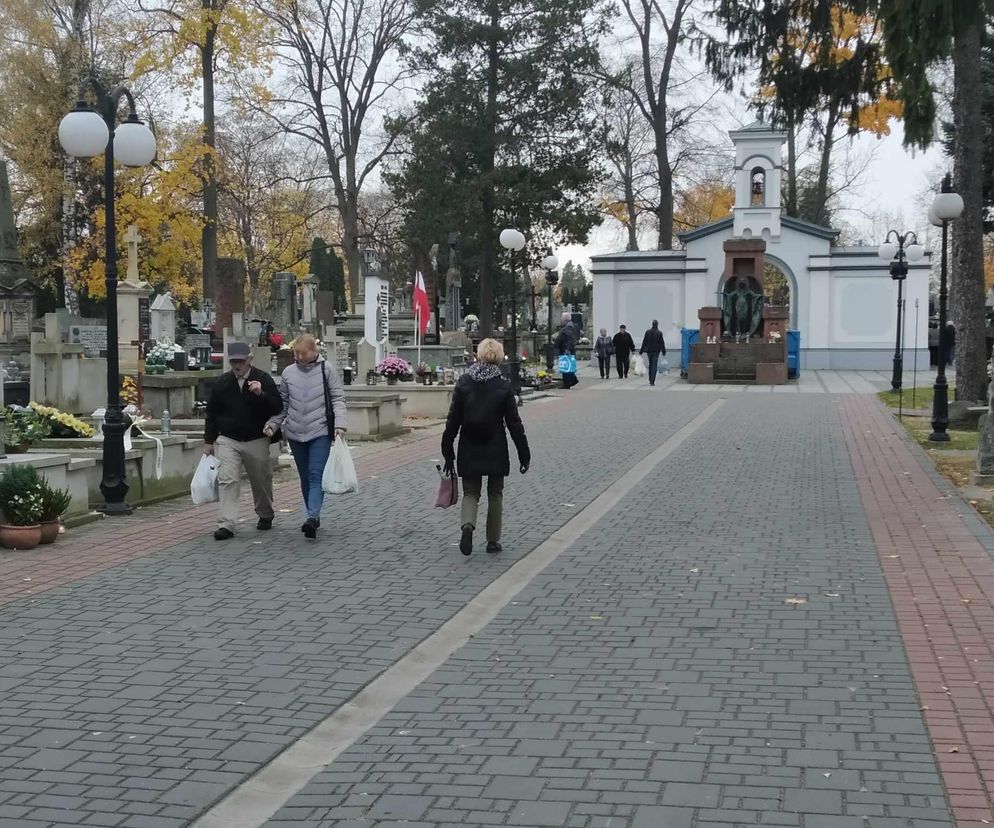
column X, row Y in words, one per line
column 132, row 237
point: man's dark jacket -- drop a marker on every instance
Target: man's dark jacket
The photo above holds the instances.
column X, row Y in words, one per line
column 567, row 339
column 652, row 342
column 623, row 343
column 238, row 413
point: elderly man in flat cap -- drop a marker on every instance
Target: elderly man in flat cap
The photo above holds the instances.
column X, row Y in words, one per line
column 243, row 399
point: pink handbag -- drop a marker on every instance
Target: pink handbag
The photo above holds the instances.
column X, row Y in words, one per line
column 448, row 490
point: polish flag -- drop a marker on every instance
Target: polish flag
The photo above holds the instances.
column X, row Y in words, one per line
column 422, row 307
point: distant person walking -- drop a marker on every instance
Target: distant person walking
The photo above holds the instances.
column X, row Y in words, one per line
column 241, row 402
column 653, row 346
column 604, row 348
column 483, row 405
column 566, row 342
column 624, row 347
column 312, row 414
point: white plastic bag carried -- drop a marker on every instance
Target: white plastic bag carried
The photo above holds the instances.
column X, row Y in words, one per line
column 638, row 365
column 203, row 487
column 339, row 472
column 664, row 366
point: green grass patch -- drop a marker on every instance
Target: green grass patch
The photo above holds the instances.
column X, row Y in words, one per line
column 919, row 398
column 921, row 427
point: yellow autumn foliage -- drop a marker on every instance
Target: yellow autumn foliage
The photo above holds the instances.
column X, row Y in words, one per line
column 702, row 204
column 163, row 201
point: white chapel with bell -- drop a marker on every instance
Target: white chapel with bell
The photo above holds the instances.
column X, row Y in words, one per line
column 838, row 303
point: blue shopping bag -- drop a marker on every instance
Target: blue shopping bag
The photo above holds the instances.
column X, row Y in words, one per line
column 567, row 364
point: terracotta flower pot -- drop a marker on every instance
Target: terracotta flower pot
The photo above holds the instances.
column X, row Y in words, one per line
column 20, row 537
column 49, row 531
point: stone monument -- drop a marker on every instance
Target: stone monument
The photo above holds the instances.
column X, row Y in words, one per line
column 284, row 303
column 377, row 308
column 453, row 286
column 163, row 317
column 229, row 292
column 17, row 291
column 134, row 319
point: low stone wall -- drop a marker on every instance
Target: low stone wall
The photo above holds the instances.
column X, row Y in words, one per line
column 62, row 471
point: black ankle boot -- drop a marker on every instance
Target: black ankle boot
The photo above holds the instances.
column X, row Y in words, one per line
column 466, row 542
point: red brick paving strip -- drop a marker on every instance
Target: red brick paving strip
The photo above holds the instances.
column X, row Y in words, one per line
column 117, row 541
column 941, row 581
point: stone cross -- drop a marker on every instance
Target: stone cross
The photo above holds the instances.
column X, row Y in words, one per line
column 132, row 237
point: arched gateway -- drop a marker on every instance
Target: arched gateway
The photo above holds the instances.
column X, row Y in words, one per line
column 838, row 300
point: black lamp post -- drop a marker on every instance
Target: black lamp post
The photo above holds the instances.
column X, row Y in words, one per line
column 84, row 133
column 438, row 311
column 904, row 249
column 550, row 263
column 947, row 207
column 514, row 241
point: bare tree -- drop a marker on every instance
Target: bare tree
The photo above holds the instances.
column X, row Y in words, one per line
column 659, row 35
column 341, row 55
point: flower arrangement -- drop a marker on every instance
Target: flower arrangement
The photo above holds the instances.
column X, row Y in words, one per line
column 129, row 391
column 583, row 341
column 23, row 428
column 23, row 509
column 63, row 424
column 423, row 369
column 775, row 336
column 393, row 366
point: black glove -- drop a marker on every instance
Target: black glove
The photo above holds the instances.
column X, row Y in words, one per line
column 449, row 468
column 524, row 468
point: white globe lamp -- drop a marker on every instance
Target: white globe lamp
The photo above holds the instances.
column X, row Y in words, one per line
column 134, row 144
column 887, row 251
column 83, row 133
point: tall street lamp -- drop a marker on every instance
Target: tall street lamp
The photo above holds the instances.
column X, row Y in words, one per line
column 514, row 241
column 85, row 132
column 550, row 263
column 947, row 207
column 904, row 249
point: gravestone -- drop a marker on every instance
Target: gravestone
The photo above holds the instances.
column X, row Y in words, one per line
column 133, row 311
column 309, row 304
column 91, row 334
column 199, row 347
column 365, row 358
column 284, row 303
column 377, row 311
column 163, row 323
column 229, row 291
column 326, row 307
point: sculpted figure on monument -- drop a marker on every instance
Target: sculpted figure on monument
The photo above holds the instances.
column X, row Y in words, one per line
column 741, row 311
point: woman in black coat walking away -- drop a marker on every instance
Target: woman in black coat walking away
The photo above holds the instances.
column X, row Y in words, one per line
column 482, row 405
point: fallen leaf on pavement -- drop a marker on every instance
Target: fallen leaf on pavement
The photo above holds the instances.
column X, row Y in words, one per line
column 795, row 601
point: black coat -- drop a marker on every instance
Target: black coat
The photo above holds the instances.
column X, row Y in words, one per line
column 479, row 413
column 567, row 339
column 653, row 342
column 238, row 413
column 623, row 343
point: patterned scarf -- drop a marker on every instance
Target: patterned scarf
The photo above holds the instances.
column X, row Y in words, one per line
column 483, row 371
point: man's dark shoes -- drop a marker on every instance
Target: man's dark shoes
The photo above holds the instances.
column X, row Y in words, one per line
column 310, row 528
column 493, row 546
column 466, row 542
column 223, row 534
column 264, row 524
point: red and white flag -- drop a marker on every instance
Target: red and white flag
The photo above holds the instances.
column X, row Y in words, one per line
column 422, row 307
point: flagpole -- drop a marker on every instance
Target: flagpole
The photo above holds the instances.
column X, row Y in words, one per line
column 417, row 331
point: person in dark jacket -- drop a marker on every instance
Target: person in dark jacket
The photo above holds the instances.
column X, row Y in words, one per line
column 241, row 402
column 604, row 348
column 624, row 347
column 482, row 406
column 653, row 346
column 566, row 341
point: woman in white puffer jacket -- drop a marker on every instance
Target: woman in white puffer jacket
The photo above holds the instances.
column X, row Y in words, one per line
column 313, row 415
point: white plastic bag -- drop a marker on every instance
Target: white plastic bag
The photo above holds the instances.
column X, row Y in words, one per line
column 203, row 487
column 664, row 366
column 638, row 366
column 339, row 472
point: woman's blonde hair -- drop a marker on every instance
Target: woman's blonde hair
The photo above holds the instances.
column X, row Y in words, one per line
column 490, row 351
column 305, row 343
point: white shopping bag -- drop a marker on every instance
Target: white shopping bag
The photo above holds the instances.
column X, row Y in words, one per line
column 664, row 366
column 638, row 366
column 339, row 472
column 203, row 487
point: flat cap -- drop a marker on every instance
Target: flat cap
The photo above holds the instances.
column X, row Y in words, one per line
column 239, row 350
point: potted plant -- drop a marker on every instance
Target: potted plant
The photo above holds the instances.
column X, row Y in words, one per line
column 393, row 368
column 23, row 428
column 423, row 373
column 20, row 500
column 54, row 503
